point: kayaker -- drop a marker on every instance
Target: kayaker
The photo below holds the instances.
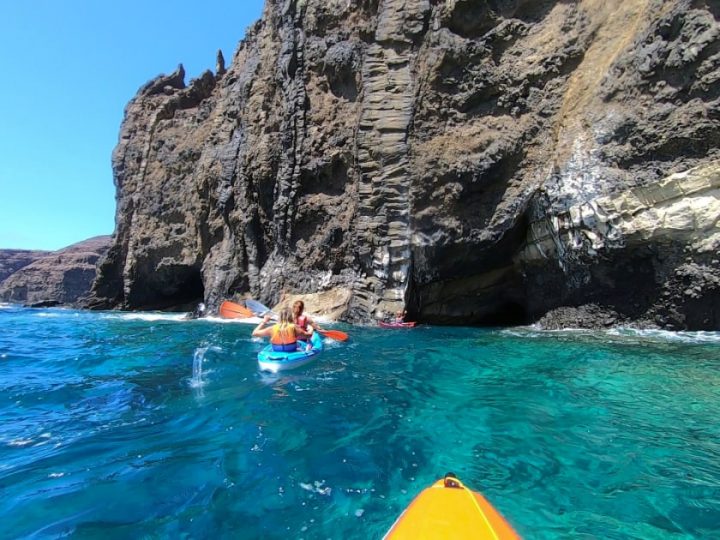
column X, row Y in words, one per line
column 283, row 335
column 302, row 320
column 400, row 316
column 199, row 312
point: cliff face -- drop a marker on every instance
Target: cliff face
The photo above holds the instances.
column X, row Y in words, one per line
column 12, row 260
column 475, row 161
column 62, row 277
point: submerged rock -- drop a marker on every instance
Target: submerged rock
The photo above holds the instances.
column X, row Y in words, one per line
column 474, row 162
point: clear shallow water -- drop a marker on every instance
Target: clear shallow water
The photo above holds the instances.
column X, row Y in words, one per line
column 143, row 425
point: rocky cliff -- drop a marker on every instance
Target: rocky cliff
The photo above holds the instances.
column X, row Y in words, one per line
column 476, row 161
column 62, row 277
column 12, row 260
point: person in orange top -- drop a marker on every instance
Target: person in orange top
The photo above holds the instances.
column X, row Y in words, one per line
column 283, row 335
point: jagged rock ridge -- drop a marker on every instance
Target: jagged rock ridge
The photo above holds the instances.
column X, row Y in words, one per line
column 12, row 260
column 62, row 277
column 475, row 161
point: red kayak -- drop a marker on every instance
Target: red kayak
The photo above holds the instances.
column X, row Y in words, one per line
column 396, row 324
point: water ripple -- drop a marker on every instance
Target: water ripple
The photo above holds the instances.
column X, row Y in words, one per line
column 570, row 434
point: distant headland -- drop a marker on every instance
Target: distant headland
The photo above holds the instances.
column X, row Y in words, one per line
column 51, row 278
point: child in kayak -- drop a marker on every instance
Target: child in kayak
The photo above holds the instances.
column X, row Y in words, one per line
column 400, row 316
column 283, row 335
column 302, row 320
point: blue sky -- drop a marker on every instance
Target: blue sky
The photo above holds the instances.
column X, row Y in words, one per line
column 67, row 70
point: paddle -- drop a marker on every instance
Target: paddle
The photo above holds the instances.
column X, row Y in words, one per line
column 260, row 310
column 231, row 310
column 337, row 335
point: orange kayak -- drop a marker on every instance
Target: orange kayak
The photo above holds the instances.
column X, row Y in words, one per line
column 448, row 509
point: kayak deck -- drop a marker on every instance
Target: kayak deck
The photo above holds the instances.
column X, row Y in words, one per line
column 274, row 361
column 448, row 509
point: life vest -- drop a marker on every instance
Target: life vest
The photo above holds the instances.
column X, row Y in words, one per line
column 302, row 322
column 284, row 337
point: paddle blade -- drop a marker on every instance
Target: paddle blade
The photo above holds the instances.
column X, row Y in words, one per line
column 231, row 310
column 337, row 335
column 256, row 307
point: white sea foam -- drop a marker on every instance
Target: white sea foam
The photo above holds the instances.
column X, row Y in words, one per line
column 146, row 316
column 688, row 337
column 330, row 343
column 317, row 487
column 535, row 331
column 249, row 320
column 19, row 442
column 174, row 317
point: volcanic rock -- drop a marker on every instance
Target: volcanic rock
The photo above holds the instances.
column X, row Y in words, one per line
column 12, row 260
column 62, row 277
column 474, row 162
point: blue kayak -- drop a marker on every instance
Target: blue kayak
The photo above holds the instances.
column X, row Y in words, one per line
column 275, row 361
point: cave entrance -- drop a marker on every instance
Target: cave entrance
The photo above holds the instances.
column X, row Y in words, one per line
column 171, row 288
column 190, row 291
column 506, row 314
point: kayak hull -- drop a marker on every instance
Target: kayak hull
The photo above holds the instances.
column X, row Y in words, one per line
column 397, row 324
column 274, row 361
column 448, row 509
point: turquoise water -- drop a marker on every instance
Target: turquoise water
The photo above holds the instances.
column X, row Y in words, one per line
column 129, row 426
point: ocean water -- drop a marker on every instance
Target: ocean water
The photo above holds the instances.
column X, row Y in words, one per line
column 147, row 426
